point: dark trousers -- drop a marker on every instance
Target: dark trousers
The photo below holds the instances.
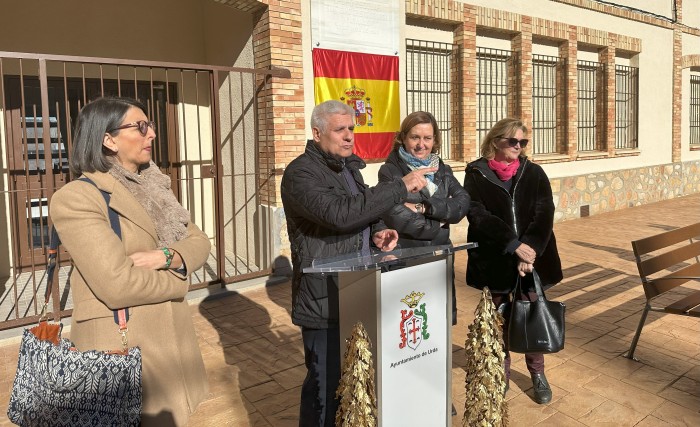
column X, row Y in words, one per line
column 533, row 361
column 322, row 358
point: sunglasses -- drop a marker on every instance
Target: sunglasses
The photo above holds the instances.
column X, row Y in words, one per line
column 515, row 141
column 142, row 126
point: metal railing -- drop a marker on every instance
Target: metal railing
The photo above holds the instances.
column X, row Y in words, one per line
column 626, row 107
column 208, row 124
column 429, row 84
column 545, row 113
column 694, row 109
column 493, row 88
column 589, row 76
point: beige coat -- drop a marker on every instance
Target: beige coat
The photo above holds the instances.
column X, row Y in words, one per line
column 104, row 278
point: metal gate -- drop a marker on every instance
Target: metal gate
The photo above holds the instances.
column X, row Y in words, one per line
column 429, row 84
column 207, row 141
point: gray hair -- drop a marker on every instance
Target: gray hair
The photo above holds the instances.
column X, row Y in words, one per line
column 94, row 121
column 321, row 112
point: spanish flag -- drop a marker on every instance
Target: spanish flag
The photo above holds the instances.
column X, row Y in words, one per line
column 370, row 85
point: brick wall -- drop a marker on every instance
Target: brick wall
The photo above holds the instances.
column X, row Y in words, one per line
column 568, row 51
column 601, row 192
column 521, row 29
column 277, row 43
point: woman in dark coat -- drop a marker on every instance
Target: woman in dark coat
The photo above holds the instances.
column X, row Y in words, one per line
column 511, row 217
column 425, row 217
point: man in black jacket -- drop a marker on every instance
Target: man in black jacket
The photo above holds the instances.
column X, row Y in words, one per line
column 330, row 212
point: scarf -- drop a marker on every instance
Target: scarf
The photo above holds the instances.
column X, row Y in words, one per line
column 151, row 188
column 415, row 163
column 503, row 170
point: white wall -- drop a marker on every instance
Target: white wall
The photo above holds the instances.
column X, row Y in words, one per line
column 161, row 30
column 691, row 13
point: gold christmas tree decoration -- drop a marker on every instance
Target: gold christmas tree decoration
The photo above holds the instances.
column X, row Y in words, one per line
column 485, row 380
column 358, row 402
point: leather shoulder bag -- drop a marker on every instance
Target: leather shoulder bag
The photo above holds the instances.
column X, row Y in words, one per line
column 535, row 326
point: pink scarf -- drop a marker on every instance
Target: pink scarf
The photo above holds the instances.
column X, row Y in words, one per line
column 504, row 171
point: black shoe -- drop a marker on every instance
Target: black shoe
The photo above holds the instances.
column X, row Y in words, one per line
column 543, row 394
column 454, row 410
column 507, row 387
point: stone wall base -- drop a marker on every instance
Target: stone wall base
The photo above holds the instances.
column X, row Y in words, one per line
column 591, row 194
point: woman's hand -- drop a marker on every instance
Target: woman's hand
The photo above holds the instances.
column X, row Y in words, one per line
column 154, row 260
column 524, row 268
column 415, row 180
column 526, row 253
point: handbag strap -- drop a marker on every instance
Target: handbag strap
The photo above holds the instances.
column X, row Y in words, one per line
column 538, row 286
column 121, row 316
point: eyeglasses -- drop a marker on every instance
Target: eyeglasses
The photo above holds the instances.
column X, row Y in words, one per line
column 142, row 125
column 515, row 141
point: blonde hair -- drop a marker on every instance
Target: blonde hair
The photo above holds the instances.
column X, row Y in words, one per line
column 504, row 128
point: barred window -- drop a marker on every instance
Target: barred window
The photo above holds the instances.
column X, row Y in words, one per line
column 695, row 109
column 544, row 104
column 428, row 84
column 492, row 94
column 626, row 107
column 589, row 76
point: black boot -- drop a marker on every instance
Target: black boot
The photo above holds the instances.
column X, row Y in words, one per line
column 543, row 393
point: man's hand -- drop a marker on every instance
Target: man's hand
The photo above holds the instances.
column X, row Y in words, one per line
column 526, row 253
column 415, row 181
column 386, row 239
column 524, row 268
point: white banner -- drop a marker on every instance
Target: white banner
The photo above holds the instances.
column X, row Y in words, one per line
column 365, row 26
column 414, row 347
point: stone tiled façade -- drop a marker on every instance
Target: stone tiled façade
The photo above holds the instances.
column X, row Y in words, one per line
column 614, row 190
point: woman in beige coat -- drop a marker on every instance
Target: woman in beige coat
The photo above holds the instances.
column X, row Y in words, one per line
column 146, row 270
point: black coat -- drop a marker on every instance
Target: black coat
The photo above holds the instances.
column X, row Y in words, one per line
column 448, row 205
column 498, row 217
column 325, row 220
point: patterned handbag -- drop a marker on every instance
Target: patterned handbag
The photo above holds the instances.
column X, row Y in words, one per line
column 57, row 385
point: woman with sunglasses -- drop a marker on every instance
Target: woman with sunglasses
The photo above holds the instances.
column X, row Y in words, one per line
column 511, row 217
column 425, row 217
column 146, row 270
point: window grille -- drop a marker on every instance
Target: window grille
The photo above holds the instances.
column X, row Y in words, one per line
column 695, row 109
column 589, row 77
column 544, row 104
column 492, row 91
column 626, row 107
column 428, row 84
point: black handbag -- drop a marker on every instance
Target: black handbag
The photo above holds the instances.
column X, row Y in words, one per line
column 535, row 326
column 57, row 385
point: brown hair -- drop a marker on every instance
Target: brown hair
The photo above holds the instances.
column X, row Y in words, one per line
column 504, row 128
column 413, row 119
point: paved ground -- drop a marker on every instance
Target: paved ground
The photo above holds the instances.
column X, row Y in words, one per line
column 254, row 356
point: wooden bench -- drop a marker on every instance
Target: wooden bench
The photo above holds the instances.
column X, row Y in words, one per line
column 682, row 254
